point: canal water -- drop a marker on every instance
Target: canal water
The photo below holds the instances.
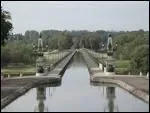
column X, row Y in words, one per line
column 76, row 93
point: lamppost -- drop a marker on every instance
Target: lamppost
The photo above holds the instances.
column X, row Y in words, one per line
column 116, row 45
column 47, row 48
column 110, row 60
column 102, row 50
column 40, row 60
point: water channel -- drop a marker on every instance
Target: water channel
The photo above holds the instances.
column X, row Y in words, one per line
column 77, row 94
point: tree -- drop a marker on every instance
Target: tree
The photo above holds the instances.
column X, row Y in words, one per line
column 140, row 59
column 64, row 42
column 6, row 26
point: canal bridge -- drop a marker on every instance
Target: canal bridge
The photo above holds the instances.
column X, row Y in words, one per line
column 53, row 73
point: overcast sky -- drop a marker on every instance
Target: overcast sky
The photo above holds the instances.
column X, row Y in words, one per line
column 77, row 15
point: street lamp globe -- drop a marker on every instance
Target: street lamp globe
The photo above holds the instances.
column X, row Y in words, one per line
column 103, row 45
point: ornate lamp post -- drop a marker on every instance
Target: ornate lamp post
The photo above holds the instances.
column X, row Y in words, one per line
column 40, row 59
column 102, row 50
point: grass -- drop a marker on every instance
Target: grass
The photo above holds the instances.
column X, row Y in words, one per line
column 27, row 70
column 122, row 63
column 122, row 71
column 18, row 70
column 122, row 67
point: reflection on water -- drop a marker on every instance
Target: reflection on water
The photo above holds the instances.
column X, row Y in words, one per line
column 76, row 93
column 110, row 91
column 41, row 96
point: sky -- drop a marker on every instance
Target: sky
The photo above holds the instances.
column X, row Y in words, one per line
column 78, row 15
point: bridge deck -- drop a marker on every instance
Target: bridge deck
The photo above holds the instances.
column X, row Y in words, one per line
column 60, row 67
column 89, row 61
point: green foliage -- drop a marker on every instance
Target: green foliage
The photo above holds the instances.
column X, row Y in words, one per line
column 134, row 46
column 6, row 26
column 65, row 42
column 5, row 56
column 140, row 59
column 122, row 64
column 122, row 71
column 16, row 52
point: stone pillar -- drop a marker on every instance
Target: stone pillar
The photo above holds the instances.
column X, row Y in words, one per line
column 110, row 66
column 40, row 44
column 148, row 75
column 40, row 66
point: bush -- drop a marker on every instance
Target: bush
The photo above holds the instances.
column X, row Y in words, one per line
column 122, row 71
column 122, row 64
column 16, row 52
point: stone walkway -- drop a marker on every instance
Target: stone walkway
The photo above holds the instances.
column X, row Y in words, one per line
column 58, row 70
column 89, row 61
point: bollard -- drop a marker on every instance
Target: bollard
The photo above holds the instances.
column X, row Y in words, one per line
column 104, row 69
column 148, row 75
column 20, row 74
column 140, row 73
column 8, row 75
column 100, row 66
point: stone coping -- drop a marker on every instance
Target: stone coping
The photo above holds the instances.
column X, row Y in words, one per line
column 136, row 92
